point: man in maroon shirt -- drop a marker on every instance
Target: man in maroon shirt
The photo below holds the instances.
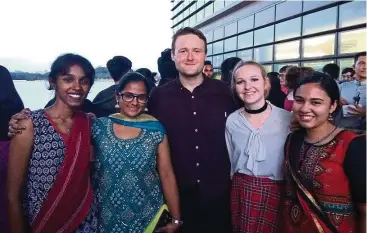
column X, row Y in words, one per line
column 194, row 109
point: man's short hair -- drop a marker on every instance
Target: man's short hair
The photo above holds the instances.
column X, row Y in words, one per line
column 348, row 69
column 188, row 31
column 206, row 63
column 118, row 66
column 360, row 54
column 332, row 70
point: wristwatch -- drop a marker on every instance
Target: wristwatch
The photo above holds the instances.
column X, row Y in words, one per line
column 177, row 221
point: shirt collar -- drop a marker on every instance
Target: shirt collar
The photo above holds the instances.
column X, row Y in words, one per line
column 181, row 87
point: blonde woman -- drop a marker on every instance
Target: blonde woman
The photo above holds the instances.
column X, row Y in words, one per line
column 255, row 136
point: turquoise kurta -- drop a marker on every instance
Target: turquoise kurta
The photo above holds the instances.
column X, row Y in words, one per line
column 128, row 188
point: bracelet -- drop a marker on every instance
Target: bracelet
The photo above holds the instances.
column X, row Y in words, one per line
column 177, row 221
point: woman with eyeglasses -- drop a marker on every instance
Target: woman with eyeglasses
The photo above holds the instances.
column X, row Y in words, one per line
column 133, row 170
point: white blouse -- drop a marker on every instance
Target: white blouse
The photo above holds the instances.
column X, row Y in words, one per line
column 258, row 152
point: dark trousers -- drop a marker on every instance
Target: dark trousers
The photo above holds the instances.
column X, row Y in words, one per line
column 203, row 215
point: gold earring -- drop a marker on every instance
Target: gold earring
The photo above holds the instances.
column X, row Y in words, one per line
column 330, row 117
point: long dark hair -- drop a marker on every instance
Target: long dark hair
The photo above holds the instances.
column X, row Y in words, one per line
column 8, row 94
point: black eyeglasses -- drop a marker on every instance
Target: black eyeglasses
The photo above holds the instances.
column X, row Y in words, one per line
column 129, row 97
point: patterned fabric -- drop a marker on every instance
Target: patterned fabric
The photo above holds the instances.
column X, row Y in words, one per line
column 322, row 173
column 128, row 187
column 255, row 204
column 44, row 163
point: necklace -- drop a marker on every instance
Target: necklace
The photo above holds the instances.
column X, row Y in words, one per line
column 323, row 138
column 257, row 111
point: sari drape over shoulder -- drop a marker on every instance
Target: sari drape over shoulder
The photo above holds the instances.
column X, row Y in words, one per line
column 318, row 196
column 70, row 198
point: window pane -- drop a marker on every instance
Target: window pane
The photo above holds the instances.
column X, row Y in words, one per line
column 218, row 33
column 268, row 68
column 230, row 44
column 265, row 17
column 263, row 54
column 186, row 13
column 228, row 55
column 319, row 46
column 278, row 66
column 246, row 24
column 319, row 21
column 317, row 65
column 217, row 61
column 245, row 40
column 245, row 55
column 288, row 8
column 289, row 50
column 199, row 4
column 210, row 49
column 218, row 47
column 288, row 29
column 209, row 59
column 209, row 36
column 309, row 5
column 200, row 16
column 352, row 41
column 193, row 8
column 209, row 10
column 218, row 5
column 193, row 20
column 352, row 13
column 230, row 29
column 264, row 35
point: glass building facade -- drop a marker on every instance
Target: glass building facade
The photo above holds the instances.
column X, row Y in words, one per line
column 276, row 33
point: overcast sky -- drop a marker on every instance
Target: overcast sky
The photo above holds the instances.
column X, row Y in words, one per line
column 35, row 32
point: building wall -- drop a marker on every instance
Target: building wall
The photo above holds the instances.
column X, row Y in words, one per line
column 275, row 33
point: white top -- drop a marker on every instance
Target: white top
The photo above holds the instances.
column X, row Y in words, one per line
column 258, row 152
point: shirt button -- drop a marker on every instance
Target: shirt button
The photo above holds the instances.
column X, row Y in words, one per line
column 197, row 164
column 198, row 181
column 197, row 147
column 196, row 130
column 194, row 113
column 192, row 97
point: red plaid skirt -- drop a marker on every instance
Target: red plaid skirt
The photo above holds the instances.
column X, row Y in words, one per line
column 255, row 204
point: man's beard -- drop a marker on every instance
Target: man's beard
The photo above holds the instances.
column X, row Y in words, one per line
column 191, row 75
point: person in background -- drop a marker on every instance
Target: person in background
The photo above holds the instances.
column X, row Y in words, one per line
column 227, row 68
column 10, row 103
column 333, row 70
column 353, row 97
column 293, row 76
column 49, row 186
column 133, row 170
column 282, row 73
column 193, row 110
column 105, row 100
column 325, row 166
column 149, row 77
column 166, row 67
column 276, row 95
column 347, row 74
column 255, row 136
column 208, row 69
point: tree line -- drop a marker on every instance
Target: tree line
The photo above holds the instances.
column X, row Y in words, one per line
column 101, row 73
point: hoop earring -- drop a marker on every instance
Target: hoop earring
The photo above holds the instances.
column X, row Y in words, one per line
column 330, row 117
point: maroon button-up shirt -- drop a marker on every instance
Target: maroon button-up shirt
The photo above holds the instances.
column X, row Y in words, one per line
column 195, row 125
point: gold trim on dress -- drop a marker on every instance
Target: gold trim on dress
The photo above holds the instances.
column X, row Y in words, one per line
column 141, row 118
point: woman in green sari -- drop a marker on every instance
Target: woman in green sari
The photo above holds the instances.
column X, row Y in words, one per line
column 133, row 171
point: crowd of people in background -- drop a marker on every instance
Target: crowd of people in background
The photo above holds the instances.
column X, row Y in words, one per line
column 224, row 149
